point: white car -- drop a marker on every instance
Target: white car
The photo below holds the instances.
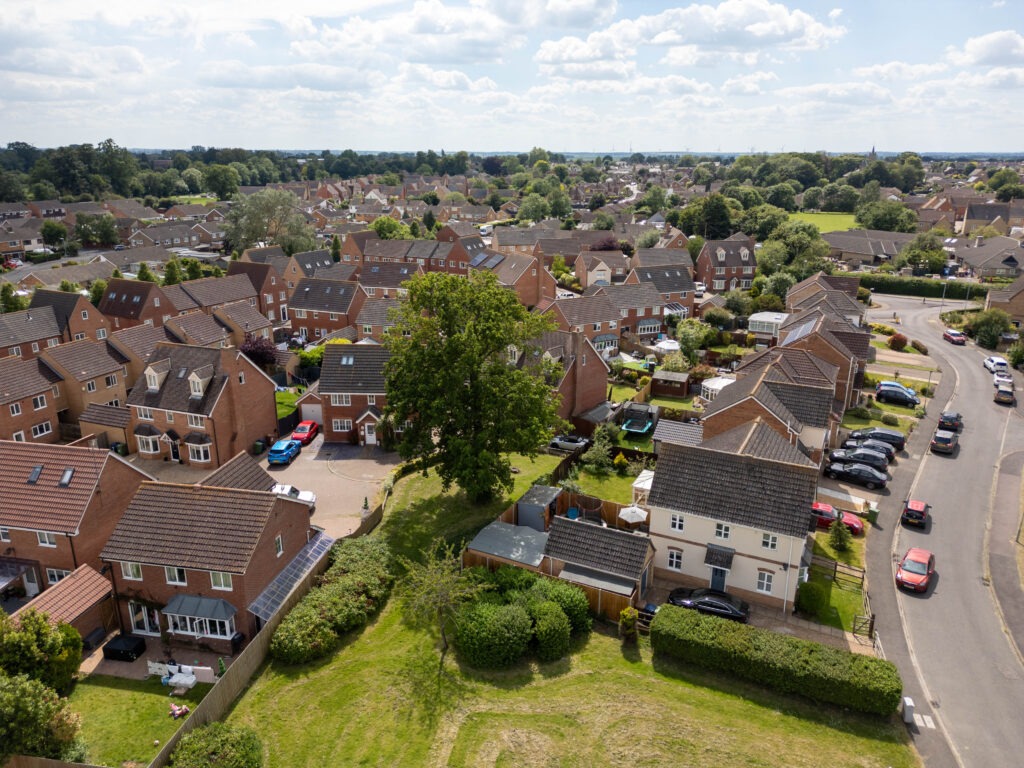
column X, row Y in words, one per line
column 698, row 289
column 294, row 493
column 1002, row 378
column 996, row 363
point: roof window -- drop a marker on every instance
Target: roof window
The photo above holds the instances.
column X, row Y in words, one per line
column 65, row 477
column 33, row 476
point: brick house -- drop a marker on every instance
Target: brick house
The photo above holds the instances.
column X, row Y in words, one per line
column 91, row 372
column 199, row 405
column 197, row 328
column 24, row 333
column 30, row 395
column 69, row 499
column 583, row 382
column 127, row 303
column 320, row 307
column 271, row 290
column 242, row 320
column 640, row 308
column 749, row 537
column 208, row 293
column 373, row 320
column 813, row 335
column 596, row 317
column 77, row 319
column 195, row 573
column 135, row 345
column 726, row 265
column 819, row 282
column 524, row 275
column 352, row 392
column 171, row 234
column 1010, row 299
column 673, row 283
column 386, row 280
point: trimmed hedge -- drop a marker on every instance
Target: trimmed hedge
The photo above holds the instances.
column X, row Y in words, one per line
column 782, row 663
column 551, row 631
column 219, row 745
column 491, row 636
column 921, row 286
column 572, row 600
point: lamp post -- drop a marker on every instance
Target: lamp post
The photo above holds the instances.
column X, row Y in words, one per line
column 945, row 285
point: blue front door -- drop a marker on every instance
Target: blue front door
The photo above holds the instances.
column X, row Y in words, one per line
column 718, row 578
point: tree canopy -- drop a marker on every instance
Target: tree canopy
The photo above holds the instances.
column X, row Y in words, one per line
column 449, row 375
column 887, row 215
column 270, row 216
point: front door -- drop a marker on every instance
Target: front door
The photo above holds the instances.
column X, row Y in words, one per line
column 371, row 434
column 175, row 451
column 31, row 582
column 718, row 578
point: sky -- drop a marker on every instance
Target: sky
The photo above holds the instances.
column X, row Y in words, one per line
column 508, row 75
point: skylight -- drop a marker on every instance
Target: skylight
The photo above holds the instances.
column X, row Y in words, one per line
column 33, row 476
column 66, row 475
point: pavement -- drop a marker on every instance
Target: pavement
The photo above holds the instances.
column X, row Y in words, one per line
column 1003, row 571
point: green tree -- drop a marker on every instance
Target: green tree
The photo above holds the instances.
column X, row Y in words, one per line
column 812, row 198
column 694, row 245
column 736, row 302
column 449, row 376
column 597, row 200
column 1009, row 192
column 887, row 215
column 146, row 274
column 710, row 217
column 839, row 198
column 839, row 536
column 534, row 208
column 219, row 745
column 336, row 248
column 222, row 180
column 925, row 252
column 96, row 229
column 193, row 269
column 53, row 232
column 172, row 272
column 193, row 179
column 12, row 187
column 49, row 653
column 692, row 334
column 389, row 229
column 66, row 286
column 561, row 205
column 781, row 196
column 430, row 198
column 988, row 326
column 1001, row 178
column 761, row 221
column 779, row 284
column 34, row 720
column 11, row 301
column 716, row 317
column 270, row 216
column 648, row 239
column 96, row 291
column 604, row 221
column 429, row 221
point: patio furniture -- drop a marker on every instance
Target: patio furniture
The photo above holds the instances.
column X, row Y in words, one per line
column 124, row 648
column 181, row 677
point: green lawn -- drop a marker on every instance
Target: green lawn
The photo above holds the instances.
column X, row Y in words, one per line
column 853, row 556
column 844, row 601
column 613, row 487
column 902, row 366
column 682, row 403
column 907, row 350
column 285, row 403
column 827, row 222
column 378, row 702
column 855, row 422
column 622, row 392
column 121, row 718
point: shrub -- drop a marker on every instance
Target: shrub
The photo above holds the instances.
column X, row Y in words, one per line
column 303, row 635
column 628, row 617
column 897, row 342
column 919, row 346
column 875, row 413
column 629, row 375
column 508, row 578
column 927, row 391
column 864, row 295
column 890, row 420
column 219, row 745
column 571, row 599
column 1015, row 355
column 839, row 536
column 810, row 598
column 782, row 663
column 551, row 630
column 918, row 286
column 491, row 636
column 621, row 464
column 861, row 412
column 882, row 329
column 643, row 381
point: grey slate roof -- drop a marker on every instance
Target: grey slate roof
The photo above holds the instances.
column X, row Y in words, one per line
column 644, row 295
column 659, row 257
column 140, row 340
column 682, row 432
column 242, row 471
column 243, row 314
column 584, row 310
column 748, row 488
column 388, row 274
column 212, row 291
column 596, row 547
column 28, row 325
column 353, row 368
column 669, row 278
column 318, row 295
column 310, row 261
column 175, row 394
column 196, row 328
column 799, row 366
column 61, row 302
column 84, row 360
column 106, row 415
column 756, row 388
column 375, row 312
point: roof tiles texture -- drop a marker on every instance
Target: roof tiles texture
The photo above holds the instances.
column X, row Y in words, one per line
column 593, row 546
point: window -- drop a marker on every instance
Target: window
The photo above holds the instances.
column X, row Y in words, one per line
column 597, row 326
column 175, row 575
column 718, row 285
column 676, row 523
column 368, row 329
column 145, row 414
column 675, row 559
column 132, row 571
column 341, row 399
column 220, row 580
column 300, row 313
column 15, row 409
column 35, row 346
column 278, row 545
column 169, row 416
column 46, row 538
column 90, row 386
column 42, row 429
column 79, row 337
column 111, row 380
column 719, row 270
column 241, row 377
column 341, row 425
column 721, row 531
column 764, row 582
column 148, row 444
column 196, row 420
column 199, row 453
column 38, row 402
column 14, row 351
column 769, row 541
column 5, row 534
column 198, row 626
column 152, row 382
column 195, row 387
column 268, row 298
column 53, row 575
column 371, row 399
column 19, row 436
column 101, row 333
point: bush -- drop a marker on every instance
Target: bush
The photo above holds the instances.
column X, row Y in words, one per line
column 864, row 295
column 927, row 391
column 643, row 381
column 551, row 630
column 571, row 599
column 890, row 420
column 917, row 286
column 875, row 413
column 219, row 745
column 919, row 346
column 882, row 329
column 620, row 463
column 897, row 342
column 303, row 635
column 489, row 636
column 508, row 578
column 810, row 598
column 1015, row 355
column 782, row 663
column 861, row 412
column 628, row 617
column 839, row 536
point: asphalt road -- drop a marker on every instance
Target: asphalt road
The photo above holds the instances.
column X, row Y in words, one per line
column 957, row 655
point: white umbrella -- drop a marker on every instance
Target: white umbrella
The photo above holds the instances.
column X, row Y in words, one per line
column 633, row 514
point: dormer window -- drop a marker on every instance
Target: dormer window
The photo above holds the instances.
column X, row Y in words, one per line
column 721, row 254
column 152, row 382
column 195, row 387
column 745, row 255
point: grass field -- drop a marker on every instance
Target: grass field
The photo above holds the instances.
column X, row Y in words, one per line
column 285, row 403
column 827, row 222
column 879, row 344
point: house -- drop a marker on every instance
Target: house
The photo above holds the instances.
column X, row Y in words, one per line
column 197, row 328
column 135, row 345
column 24, row 333
column 525, row 275
column 19, row 236
column 990, row 257
column 1009, row 299
column 672, row 281
column 765, row 325
column 734, row 512
column 30, row 394
column 374, row 319
column 208, row 293
column 811, row 334
column 320, row 307
column 387, row 280
column 194, row 574
column 242, row 320
column 127, row 303
column 242, row 471
column 819, row 282
column 352, row 392
column 271, row 290
column 68, row 502
column 106, row 424
column 92, row 373
column 726, row 265
column 640, row 308
column 866, row 246
column 582, row 379
column 84, row 275
column 595, row 316
column 77, row 319
column 171, row 234
column 199, row 405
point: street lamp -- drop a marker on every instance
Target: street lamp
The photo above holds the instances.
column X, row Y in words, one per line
column 945, row 284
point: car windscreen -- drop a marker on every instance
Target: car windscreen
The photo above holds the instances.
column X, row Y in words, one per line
column 913, row 566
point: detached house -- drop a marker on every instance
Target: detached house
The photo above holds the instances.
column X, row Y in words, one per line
column 582, row 382
column 91, row 372
column 352, row 392
column 271, row 291
column 595, row 316
column 640, row 307
column 726, row 265
column 200, row 406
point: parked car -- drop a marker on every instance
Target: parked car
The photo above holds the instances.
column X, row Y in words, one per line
column 712, row 602
column 944, row 441
column 872, row 445
column 954, row 336
column 861, row 474
column 915, row 512
column 860, row 456
column 568, row 442
column 294, row 493
column 826, row 514
column 897, row 397
column 305, row 431
column 283, row 451
column 894, row 438
column 915, row 570
column 1005, row 395
column 698, row 289
column 893, row 385
column 1002, row 378
column 995, row 363
column 951, row 420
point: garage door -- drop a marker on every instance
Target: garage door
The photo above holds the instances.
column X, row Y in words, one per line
column 312, row 412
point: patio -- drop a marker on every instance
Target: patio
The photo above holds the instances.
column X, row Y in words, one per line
column 94, row 663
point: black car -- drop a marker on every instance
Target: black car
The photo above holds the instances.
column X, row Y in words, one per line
column 712, row 602
column 861, row 474
column 872, row 445
column 952, row 421
column 859, row 456
column 897, row 397
column 896, row 439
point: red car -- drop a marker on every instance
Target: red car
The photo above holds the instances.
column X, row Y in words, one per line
column 915, row 570
column 826, row 514
column 915, row 512
column 954, row 337
column 305, row 431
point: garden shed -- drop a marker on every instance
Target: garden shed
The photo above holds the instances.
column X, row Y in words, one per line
column 535, row 506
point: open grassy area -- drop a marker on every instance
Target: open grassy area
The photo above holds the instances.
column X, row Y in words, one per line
column 285, row 403
column 121, row 718
column 613, row 487
column 378, row 702
column 905, row 366
column 827, row 222
column 844, row 601
column 853, row 556
column 855, row 422
column 622, row 392
column 673, row 402
column 907, row 350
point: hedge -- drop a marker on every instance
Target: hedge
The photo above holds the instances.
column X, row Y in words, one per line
column 551, row 631
column 922, row 286
column 782, row 663
column 489, row 636
column 219, row 745
column 571, row 599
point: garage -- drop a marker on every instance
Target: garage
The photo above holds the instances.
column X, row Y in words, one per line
column 310, row 406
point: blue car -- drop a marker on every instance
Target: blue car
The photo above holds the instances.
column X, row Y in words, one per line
column 284, row 451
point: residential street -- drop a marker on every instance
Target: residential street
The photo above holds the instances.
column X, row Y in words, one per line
column 958, row 660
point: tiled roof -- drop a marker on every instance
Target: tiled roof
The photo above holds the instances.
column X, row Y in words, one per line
column 23, row 378
column 61, row 302
column 752, row 387
column 175, row 393
column 127, row 298
column 70, row 597
column 256, row 271
column 140, row 340
column 192, row 526
column 799, row 366
column 584, row 310
column 83, row 274
column 197, row 328
column 659, row 257
column 810, row 404
column 243, row 314
column 317, row 295
column 375, row 312
column 732, row 252
column 179, row 298
column 211, row 291
column 594, row 546
column 106, row 415
column 669, row 278
column 714, row 481
column 28, row 325
column 353, row 368
column 83, row 360
column 242, row 471
column 682, row 432
column 310, row 261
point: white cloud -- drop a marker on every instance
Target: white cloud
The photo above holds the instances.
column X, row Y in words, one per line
column 748, row 84
column 572, row 14
column 444, row 79
column 1003, row 47
column 998, row 3
column 834, row 94
column 899, row 70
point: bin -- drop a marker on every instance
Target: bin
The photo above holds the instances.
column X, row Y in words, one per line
column 257, row 447
column 236, row 642
column 908, row 710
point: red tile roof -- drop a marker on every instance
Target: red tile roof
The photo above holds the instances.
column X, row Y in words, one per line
column 70, row 597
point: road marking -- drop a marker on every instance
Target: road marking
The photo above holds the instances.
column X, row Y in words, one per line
column 924, row 721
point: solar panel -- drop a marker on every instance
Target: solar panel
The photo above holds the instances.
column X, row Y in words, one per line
column 270, row 599
column 494, row 261
column 478, row 260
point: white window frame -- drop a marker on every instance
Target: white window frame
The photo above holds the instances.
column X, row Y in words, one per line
column 371, row 399
column 148, row 444
column 175, row 576
column 195, row 388
column 278, row 545
column 101, row 333
column 42, row 429
column 90, row 386
column 38, row 402
column 5, row 534
column 15, row 409
column 46, row 539
column 144, row 414
column 676, row 522
column 111, row 380
column 764, row 582
column 221, row 581
column 53, row 575
column 199, row 453
column 341, row 425
column 131, row 571
column 196, row 420
column 722, row 531
column 19, row 436
column 769, row 541
column 675, row 559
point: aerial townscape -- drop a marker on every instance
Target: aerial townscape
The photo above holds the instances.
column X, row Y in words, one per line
column 402, row 456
